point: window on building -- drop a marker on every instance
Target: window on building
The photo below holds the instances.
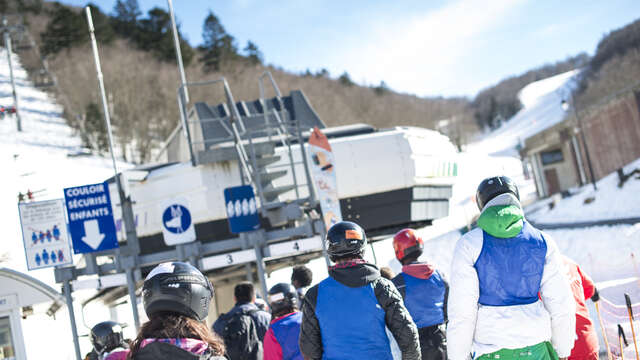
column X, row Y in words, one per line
column 6, row 342
column 551, row 157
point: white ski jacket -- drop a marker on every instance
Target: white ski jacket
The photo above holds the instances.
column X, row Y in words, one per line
column 478, row 329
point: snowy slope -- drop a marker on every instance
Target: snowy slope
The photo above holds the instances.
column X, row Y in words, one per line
column 36, row 159
column 541, row 110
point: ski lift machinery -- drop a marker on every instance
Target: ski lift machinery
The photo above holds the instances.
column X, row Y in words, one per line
column 387, row 179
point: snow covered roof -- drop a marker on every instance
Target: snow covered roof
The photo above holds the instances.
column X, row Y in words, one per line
column 29, row 290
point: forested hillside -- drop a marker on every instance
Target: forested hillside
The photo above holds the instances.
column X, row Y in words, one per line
column 139, row 66
column 141, row 78
column 614, row 67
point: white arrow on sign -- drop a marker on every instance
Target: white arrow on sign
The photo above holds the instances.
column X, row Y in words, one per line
column 92, row 235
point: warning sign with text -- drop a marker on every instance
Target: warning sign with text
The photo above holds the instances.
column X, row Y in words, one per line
column 44, row 232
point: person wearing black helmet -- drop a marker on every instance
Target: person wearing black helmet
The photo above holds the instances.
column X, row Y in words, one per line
column 176, row 298
column 508, row 294
column 281, row 340
column 345, row 315
column 107, row 339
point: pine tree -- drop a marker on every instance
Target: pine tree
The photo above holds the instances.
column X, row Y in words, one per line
column 125, row 17
column 65, row 29
column 219, row 47
column 155, row 34
column 345, row 79
column 253, row 53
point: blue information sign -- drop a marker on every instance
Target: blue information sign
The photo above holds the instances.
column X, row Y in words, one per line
column 91, row 224
column 241, row 209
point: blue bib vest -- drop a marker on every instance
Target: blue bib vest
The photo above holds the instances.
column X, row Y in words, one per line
column 510, row 270
column 424, row 298
column 287, row 332
column 351, row 322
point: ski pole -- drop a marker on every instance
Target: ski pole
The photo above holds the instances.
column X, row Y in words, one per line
column 633, row 331
column 621, row 337
column 604, row 332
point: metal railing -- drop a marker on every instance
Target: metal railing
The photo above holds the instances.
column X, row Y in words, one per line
column 234, row 120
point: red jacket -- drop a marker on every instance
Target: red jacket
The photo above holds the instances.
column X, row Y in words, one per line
column 586, row 345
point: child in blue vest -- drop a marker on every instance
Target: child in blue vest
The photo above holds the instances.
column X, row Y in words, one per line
column 281, row 340
column 509, row 296
column 425, row 291
column 344, row 316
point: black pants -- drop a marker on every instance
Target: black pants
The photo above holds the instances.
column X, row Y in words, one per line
column 433, row 342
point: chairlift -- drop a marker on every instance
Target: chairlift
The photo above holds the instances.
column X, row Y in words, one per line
column 44, row 79
column 21, row 42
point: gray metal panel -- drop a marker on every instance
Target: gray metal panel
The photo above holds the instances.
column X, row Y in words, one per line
column 301, row 110
column 432, row 192
column 430, row 209
column 228, row 152
column 295, row 107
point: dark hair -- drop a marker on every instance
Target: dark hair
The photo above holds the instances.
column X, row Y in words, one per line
column 349, row 257
column 386, row 272
column 244, row 292
column 174, row 326
column 411, row 257
column 302, row 275
column 284, row 311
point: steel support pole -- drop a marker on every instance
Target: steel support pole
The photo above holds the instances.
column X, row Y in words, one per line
column 176, row 39
column 125, row 204
column 131, row 286
column 185, row 123
column 258, row 239
column 584, row 143
column 72, row 318
column 7, row 44
column 105, row 105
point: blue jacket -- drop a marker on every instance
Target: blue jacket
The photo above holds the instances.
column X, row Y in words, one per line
column 424, row 291
column 510, row 270
column 281, row 340
column 344, row 317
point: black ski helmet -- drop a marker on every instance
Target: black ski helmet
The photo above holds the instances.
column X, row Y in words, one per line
column 491, row 187
column 106, row 336
column 177, row 287
column 345, row 238
column 282, row 296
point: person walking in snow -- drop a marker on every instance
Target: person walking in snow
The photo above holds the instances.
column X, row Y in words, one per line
column 344, row 316
column 498, row 272
column 586, row 346
column 424, row 290
column 281, row 340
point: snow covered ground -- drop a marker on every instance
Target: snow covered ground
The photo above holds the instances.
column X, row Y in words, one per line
column 36, row 159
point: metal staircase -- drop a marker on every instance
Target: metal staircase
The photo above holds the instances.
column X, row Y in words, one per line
column 264, row 136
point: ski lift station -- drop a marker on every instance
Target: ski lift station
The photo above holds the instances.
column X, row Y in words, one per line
column 229, row 161
column 386, row 180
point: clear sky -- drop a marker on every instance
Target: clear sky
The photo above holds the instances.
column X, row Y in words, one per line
column 424, row 47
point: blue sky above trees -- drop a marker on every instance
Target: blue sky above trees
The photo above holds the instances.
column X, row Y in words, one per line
column 428, row 48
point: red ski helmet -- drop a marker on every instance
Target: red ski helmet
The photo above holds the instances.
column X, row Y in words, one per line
column 406, row 242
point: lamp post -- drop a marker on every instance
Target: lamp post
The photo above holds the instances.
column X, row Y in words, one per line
column 565, row 107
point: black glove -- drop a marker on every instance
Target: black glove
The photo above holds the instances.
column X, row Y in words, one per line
column 596, row 296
